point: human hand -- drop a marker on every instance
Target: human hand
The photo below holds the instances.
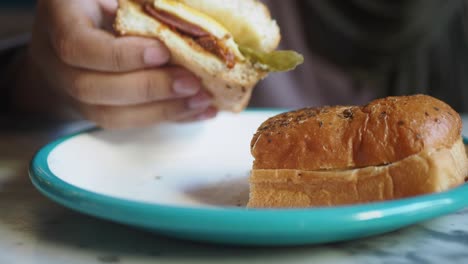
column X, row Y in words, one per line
column 116, row 82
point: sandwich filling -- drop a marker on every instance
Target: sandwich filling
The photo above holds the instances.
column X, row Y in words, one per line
column 213, row 37
column 206, row 40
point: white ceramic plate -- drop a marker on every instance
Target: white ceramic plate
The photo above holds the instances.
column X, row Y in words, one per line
column 196, row 165
column 191, row 181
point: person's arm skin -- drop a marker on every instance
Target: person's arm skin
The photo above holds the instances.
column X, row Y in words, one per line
column 73, row 59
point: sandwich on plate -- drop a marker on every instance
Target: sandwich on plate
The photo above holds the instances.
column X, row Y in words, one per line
column 392, row 148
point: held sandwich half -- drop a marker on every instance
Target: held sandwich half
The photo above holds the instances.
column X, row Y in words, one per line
column 228, row 44
column 391, row 148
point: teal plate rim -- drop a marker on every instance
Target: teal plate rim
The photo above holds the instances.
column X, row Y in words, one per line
column 214, row 224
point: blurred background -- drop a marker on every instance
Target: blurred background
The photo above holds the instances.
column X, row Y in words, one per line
column 16, row 17
column 355, row 50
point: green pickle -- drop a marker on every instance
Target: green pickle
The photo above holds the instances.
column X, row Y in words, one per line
column 276, row 61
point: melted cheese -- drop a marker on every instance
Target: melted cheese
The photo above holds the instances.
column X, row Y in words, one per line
column 193, row 16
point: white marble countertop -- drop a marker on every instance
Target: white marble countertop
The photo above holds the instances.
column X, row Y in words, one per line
column 35, row 230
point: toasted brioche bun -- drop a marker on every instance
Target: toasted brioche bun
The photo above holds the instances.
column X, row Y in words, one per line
column 391, row 148
column 342, row 137
column 427, row 172
column 231, row 88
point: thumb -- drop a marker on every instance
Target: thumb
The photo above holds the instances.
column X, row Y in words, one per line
column 109, row 6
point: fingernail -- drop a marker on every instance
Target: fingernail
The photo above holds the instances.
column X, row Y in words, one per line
column 112, row 5
column 186, row 86
column 200, row 101
column 155, row 56
column 208, row 114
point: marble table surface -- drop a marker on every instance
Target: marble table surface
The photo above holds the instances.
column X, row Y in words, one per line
column 35, row 230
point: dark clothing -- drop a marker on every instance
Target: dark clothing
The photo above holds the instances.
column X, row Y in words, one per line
column 386, row 47
column 9, row 51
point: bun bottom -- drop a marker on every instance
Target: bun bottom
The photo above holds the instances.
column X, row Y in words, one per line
column 427, row 172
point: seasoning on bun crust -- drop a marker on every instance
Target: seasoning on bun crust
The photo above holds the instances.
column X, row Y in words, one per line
column 392, row 148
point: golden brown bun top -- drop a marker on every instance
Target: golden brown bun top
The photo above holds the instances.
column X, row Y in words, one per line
column 341, row 137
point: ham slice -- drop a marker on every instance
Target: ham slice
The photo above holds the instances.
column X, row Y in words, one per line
column 175, row 22
column 203, row 38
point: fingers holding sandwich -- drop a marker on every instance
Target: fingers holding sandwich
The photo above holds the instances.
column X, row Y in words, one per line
column 98, row 50
column 76, row 35
column 109, row 6
column 116, row 82
column 140, row 87
column 123, row 117
column 132, row 99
